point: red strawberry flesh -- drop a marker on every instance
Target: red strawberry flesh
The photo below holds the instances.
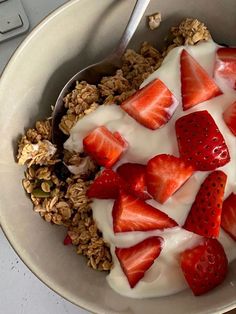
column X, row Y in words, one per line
column 67, row 240
column 135, row 177
column 228, row 217
column 226, row 65
column 165, row 175
column 136, row 260
column 120, row 139
column 103, row 146
column 152, row 106
column 230, row 117
column 201, row 142
column 196, row 84
column 132, row 214
column 227, row 54
column 205, row 214
column 204, row 266
column 106, row 185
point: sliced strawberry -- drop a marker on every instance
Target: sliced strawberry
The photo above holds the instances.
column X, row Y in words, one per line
column 123, row 142
column 196, row 84
column 67, row 240
column 106, row 185
column 230, row 117
column 165, row 175
column 135, row 177
column 136, row 260
column 103, row 146
column 200, row 141
column 205, row 214
column 152, row 106
column 228, row 217
column 226, row 65
column 132, row 214
column 204, row 266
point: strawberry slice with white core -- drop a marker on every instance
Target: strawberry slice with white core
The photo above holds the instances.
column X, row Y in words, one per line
column 196, row 84
column 205, row 214
column 225, row 65
column 201, row 142
column 165, row 175
column 135, row 176
column 152, row 106
column 228, row 217
column 133, row 214
column 230, row 117
column 122, row 141
column 204, row 266
column 136, row 260
column 103, row 146
column 106, row 185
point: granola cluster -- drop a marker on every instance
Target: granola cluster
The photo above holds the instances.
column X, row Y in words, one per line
column 58, row 192
column 81, row 101
column 190, row 32
column 35, row 146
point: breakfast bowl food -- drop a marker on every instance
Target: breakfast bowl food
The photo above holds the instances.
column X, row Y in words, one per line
column 29, row 87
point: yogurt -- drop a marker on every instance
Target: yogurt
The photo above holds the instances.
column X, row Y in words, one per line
column 165, row 276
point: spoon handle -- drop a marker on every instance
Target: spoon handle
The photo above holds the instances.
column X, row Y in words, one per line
column 131, row 27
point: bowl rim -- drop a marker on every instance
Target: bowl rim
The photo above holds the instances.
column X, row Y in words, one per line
column 92, row 309
column 43, row 23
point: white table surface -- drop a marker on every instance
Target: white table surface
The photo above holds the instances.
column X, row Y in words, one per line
column 21, row 292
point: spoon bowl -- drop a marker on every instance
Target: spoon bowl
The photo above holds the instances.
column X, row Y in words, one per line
column 93, row 73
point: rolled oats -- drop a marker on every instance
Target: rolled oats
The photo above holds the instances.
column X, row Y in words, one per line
column 76, row 193
column 189, row 32
column 46, row 186
column 64, row 209
column 151, row 54
column 135, row 68
column 57, row 219
column 44, row 129
column 81, row 101
column 114, row 87
column 41, row 153
column 67, row 123
column 31, row 172
column 43, row 173
column 48, row 217
column 28, row 186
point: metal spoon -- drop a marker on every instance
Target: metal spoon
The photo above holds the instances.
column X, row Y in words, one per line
column 93, row 73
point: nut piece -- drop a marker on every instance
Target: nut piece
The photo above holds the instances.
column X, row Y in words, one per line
column 154, row 20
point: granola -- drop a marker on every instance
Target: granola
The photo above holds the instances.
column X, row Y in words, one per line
column 154, row 20
column 189, row 32
column 58, row 192
column 81, row 101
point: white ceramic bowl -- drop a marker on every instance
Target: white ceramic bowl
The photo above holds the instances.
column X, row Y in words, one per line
column 77, row 34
